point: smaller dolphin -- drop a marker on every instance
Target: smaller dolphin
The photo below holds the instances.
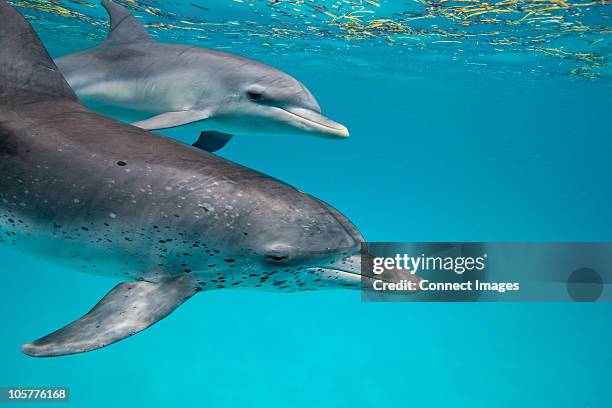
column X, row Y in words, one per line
column 180, row 84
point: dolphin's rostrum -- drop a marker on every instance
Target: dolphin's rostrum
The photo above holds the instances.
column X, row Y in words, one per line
column 180, row 84
column 169, row 219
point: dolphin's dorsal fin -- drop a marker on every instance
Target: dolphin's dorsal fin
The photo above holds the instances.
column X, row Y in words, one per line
column 124, row 28
column 27, row 73
column 126, row 310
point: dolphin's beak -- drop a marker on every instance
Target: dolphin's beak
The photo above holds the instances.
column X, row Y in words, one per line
column 350, row 268
column 313, row 121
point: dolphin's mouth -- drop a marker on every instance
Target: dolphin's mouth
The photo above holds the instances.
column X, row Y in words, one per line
column 351, row 264
column 349, row 268
column 312, row 121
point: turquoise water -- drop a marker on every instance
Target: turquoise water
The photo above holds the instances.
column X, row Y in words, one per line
column 469, row 140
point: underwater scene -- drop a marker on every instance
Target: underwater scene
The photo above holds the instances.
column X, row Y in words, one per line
column 433, row 121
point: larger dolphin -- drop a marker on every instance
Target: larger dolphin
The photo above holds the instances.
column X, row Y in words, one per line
column 180, row 84
column 105, row 197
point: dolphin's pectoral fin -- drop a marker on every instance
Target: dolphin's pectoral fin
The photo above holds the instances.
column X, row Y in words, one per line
column 171, row 119
column 127, row 309
column 211, row 140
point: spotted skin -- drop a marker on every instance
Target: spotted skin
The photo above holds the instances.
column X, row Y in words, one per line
column 123, row 206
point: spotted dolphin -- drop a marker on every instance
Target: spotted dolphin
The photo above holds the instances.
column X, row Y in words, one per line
column 180, row 84
column 168, row 219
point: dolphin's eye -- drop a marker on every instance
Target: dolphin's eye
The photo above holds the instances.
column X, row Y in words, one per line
column 276, row 258
column 254, row 94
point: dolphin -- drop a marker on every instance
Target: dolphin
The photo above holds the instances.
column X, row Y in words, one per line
column 180, row 84
column 170, row 220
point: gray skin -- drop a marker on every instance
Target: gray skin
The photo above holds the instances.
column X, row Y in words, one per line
column 180, row 84
column 104, row 197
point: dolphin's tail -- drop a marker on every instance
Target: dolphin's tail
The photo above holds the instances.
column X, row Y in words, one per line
column 27, row 73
